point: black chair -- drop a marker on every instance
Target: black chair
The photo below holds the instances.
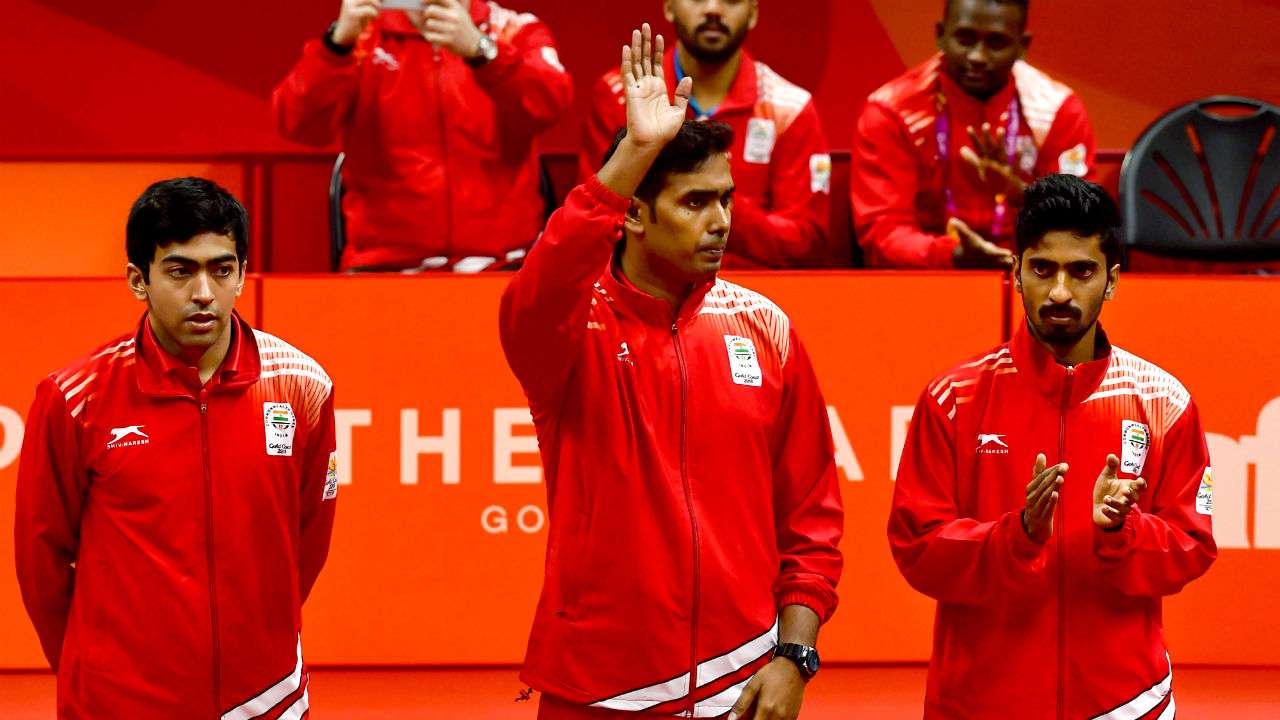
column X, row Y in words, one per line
column 337, row 221
column 1203, row 182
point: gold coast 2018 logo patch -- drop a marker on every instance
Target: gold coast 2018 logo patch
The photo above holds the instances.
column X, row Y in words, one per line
column 744, row 364
column 279, row 422
column 1135, row 439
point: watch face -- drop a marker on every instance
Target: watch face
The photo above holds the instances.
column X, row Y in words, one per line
column 811, row 662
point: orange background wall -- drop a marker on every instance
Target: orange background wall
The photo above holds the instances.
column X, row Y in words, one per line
column 414, row 577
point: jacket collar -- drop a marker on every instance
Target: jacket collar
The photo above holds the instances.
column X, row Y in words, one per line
column 743, row 93
column 1038, row 366
column 163, row 375
column 649, row 309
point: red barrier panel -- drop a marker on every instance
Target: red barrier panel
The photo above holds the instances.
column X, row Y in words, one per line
column 437, row 554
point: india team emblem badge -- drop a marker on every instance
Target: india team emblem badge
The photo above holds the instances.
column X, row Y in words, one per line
column 1135, row 439
column 744, row 365
column 279, row 422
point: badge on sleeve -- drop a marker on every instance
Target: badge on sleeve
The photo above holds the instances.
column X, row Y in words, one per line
column 279, row 422
column 761, row 136
column 1135, row 438
column 820, row 173
column 1204, row 496
column 331, row 477
column 744, row 365
column 1072, row 161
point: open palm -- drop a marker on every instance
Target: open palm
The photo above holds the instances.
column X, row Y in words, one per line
column 652, row 118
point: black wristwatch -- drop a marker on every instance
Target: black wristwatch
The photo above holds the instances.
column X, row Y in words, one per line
column 805, row 657
column 334, row 47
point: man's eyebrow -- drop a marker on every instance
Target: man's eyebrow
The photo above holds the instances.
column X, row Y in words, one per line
column 183, row 259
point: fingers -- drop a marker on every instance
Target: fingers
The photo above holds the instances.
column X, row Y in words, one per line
column 647, row 38
column 969, row 156
column 637, row 58
column 658, row 50
column 628, row 76
column 1037, row 472
column 1044, row 485
column 1113, row 464
column 746, row 699
column 1041, row 502
column 683, row 92
column 973, row 138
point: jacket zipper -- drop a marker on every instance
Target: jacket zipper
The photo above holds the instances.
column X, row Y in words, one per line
column 444, row 156
column 693, row 519
column 1061, row 532
column 213, row 581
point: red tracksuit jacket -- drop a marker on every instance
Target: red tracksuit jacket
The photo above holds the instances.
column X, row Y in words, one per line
column 897, row 180
column 779, row 161
column 167, row 535
column 441, row 158
column 1071, row 628
column 689, row 468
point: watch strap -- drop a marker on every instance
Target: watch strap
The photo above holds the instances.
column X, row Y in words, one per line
column 798, row 654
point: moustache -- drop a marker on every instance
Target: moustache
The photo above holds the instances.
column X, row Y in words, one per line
column 1069, row 310
column 712, row 25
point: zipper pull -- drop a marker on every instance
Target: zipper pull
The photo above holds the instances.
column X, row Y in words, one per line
column 204, row 409
column 675, row 329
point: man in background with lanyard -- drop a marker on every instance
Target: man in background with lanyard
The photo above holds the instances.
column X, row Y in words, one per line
column 779, row 157
column 943, row 153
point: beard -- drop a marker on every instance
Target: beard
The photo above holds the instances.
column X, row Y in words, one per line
column 713, row 55
column 1059, row 335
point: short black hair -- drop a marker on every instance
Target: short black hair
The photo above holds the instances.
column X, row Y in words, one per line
column 1068, row 203
column 697, row 141
column 177, row 210
column 1024, row 4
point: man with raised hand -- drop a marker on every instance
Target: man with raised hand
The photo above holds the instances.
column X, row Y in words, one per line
column 439, row 110
column 942, row 154
column 694, row 507
column 779, row 156
column 176, row 489
column 1049, row 590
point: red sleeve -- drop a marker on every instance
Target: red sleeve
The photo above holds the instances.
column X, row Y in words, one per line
column 543, row 315
column 792, row 231
column 1162, row 548
column 318, row 498
column 806, row 497
column 50, row 497
column 313, row 101
column 605, row 118
column 526, row 81
column 942, row 554
column 883, row 184
column 1069, row 147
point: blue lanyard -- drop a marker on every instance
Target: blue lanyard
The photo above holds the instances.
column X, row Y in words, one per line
column 698, row 111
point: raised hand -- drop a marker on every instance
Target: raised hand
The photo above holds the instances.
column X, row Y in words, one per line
column 1042, row 498
column 989, row 159
column 1113, row 497
column 353, row 18
column 652, row 119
